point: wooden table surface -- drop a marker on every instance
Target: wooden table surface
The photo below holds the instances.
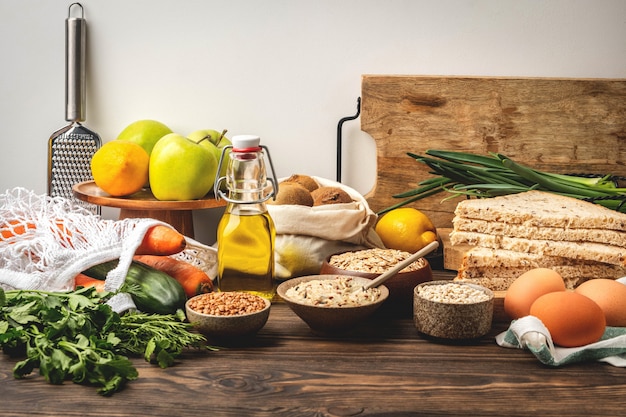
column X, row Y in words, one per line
column 383, row 368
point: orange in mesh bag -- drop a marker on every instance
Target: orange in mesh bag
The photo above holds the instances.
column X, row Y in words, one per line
column 46, row 241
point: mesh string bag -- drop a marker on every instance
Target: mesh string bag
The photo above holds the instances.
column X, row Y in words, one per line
column 46, row 241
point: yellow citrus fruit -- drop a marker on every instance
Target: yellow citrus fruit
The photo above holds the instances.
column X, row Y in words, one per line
column 120, row 168
column 406, row 229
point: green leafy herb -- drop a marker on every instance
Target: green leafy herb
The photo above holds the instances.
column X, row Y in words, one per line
column 76, row 336
column 159, row 338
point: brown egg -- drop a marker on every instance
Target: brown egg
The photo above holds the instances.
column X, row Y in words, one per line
column 528, row 287
column 572, row 319
column 610, row 295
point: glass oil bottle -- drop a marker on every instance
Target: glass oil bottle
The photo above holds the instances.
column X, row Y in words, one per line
column 245, row 233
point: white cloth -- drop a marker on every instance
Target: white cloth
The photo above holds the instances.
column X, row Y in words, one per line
column 530, row 333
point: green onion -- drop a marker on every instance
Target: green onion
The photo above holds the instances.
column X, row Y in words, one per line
column 469, row 175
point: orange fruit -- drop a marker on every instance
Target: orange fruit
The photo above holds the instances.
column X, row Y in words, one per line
column 406, row 229
column 120, row 168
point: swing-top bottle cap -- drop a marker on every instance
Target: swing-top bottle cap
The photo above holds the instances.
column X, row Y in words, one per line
column 245, row 143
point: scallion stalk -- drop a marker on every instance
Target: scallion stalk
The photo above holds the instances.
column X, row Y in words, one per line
column 466, row 174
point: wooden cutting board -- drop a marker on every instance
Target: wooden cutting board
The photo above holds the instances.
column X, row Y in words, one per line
column 559, row 125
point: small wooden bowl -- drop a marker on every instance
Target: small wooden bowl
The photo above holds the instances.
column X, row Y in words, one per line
column 226, row 327
column 325, row 319
column 400, row 286
column 453, row 320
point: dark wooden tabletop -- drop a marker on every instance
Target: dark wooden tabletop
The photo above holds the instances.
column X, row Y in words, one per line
column 382, row 368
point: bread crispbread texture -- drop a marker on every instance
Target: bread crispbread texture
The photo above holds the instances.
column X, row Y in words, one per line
column 542, row 209
column 610, row 237
column 589, row 251
column 482, row 257
column 512, row 234
column 503, row 283
column 498, row 268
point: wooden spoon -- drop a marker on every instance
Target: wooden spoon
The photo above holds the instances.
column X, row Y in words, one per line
column 401, row 265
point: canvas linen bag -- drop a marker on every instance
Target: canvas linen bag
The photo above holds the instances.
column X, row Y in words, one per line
column 305, row 236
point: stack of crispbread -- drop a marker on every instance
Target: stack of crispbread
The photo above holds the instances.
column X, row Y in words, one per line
column 511, row 234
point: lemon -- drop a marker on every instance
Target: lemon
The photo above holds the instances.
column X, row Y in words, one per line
column 406, row 229
column 145, row 133
column 120, row 168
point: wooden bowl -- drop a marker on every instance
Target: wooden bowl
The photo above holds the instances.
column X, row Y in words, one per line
column 400, row 286
column 445, row 318
column 326, row 319
column 226, row 327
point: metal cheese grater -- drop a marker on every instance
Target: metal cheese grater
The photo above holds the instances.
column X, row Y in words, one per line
column 71, row 148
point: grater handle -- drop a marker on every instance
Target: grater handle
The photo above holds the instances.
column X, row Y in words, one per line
column 75, row 47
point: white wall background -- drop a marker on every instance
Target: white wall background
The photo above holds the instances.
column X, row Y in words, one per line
column 287, row 70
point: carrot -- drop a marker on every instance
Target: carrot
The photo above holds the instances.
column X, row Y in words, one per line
column 193, row 279
column 161, row 240
column 14, row 228
column 82, row 280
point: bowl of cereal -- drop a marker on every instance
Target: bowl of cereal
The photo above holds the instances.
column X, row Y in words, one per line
column 370, row 263
column 452, row 310
column 227, row 314
column 332, row 303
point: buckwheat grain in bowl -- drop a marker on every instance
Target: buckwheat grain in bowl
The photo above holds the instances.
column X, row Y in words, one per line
column 452, row 310
column 227, row 314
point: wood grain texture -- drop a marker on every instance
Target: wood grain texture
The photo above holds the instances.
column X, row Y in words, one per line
column 560, row 125
column 143, row 204
column 383, row 368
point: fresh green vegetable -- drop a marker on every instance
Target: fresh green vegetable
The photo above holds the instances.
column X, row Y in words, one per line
column 466, row 174
column 159, row 338
column 76, row 336
column 152, row 291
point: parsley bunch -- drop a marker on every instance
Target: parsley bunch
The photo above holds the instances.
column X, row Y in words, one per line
column 75, row 335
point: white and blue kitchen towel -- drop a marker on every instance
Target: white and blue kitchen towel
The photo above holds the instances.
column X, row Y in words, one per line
column 530, row 333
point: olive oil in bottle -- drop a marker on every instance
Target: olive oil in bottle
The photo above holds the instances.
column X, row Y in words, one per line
column 244, row 263
column 245, row 233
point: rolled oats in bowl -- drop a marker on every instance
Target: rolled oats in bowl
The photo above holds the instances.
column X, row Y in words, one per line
column 339, row 292
column 331, row 307
column 370, row 263
column 374, row 261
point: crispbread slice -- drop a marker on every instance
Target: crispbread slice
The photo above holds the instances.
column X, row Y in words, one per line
column 498, row 268
column 502, row 284
column 483, row 257
column 566, row 272
column 610, row 237
column 542, row 209
column 589, row 251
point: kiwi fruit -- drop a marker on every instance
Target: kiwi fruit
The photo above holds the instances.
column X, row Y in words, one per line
column 330, row 195
column 292, row 193
column 304, row 180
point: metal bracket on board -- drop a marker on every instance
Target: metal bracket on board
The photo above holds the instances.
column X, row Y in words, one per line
column 339, row 136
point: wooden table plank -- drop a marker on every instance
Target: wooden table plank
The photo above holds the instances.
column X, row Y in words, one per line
column 385, row 367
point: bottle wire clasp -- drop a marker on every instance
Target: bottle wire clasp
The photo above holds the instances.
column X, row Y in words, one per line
column 219, row 194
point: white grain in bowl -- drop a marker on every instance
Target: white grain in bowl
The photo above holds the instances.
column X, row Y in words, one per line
column 452, row 310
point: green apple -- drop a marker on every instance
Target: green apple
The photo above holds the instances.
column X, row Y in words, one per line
column 214, row 141
column 181, row 169
column 145, row 133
